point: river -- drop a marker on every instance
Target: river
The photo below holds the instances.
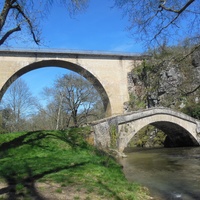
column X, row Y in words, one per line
column 169, row 173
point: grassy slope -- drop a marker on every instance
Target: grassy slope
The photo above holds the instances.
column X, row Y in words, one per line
column 64, row 158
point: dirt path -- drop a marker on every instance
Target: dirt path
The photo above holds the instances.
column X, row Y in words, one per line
column 47, row 191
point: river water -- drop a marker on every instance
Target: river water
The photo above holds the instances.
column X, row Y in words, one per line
column 169, row 173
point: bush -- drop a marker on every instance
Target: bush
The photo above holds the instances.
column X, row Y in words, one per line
column 192, row 110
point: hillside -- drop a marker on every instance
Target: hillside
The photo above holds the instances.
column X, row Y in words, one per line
column 60, row 165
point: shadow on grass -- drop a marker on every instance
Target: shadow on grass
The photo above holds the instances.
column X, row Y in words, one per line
column 20, row 172
column 73, row 139
column 24, row 139
column 27, row 184
column 21, row 186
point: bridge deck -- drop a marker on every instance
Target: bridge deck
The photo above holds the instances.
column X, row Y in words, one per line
column 71, row 52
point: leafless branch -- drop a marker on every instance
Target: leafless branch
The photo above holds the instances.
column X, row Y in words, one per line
column 18, row 7
column 7, row 34
column 192, row 51
column 177, row 11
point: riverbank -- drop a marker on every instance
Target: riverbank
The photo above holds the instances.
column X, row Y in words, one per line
column 60, row 165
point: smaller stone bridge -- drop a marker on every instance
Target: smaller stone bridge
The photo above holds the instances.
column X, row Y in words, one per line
column 116, row 132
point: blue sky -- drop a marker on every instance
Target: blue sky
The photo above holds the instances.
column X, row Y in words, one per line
column 99, row 28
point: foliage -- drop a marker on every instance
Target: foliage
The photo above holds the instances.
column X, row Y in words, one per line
column 136, row 102
column 2, row 130
column 148, row 136
column 145, row 82
column 113, row 136
column 192, row 110
column 57, row 156
column 75, row 137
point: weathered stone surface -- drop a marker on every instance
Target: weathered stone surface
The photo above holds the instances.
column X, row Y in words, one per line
column 167, row 84
column 180, row 128
column 196, row 59
column 170, row 79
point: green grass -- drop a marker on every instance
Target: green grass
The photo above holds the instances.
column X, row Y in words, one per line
column 64, row 158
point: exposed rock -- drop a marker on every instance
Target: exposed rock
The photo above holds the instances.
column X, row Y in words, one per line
column 196, row 59
column 168, row 84
column 170, row 79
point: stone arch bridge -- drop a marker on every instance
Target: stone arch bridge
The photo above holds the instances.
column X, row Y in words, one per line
column 181, row 129
column 106, row 71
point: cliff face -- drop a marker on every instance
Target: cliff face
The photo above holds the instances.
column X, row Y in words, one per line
column 168, row 83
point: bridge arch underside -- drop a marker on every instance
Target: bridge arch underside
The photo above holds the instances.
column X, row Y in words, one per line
column 63, row 64
column 177, row 136
column 180, row 133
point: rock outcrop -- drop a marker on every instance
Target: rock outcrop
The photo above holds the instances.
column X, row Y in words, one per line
column 169, row 84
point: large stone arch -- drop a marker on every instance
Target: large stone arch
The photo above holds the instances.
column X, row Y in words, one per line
column 63, row 64
column 179, row 132
column 109, row 70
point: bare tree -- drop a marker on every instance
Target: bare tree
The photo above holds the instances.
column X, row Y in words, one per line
column 57, row 114
column 5, row 115
column 161, row 20
column 80, row 97
column 74, row 100
column 19, row 104
column 24, row 15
